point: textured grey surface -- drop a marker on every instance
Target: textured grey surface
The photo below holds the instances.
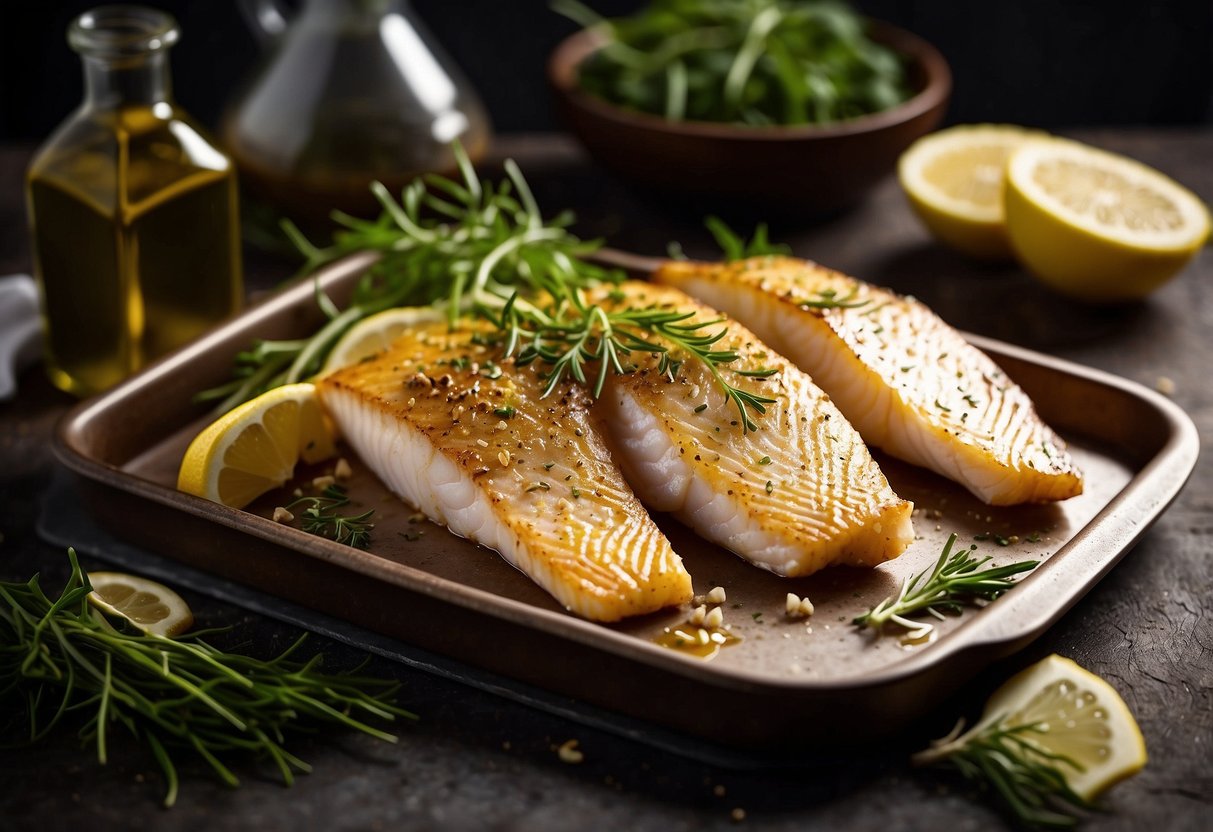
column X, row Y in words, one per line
column 476, row 761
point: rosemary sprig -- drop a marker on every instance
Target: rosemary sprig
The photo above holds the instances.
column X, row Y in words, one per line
column 954, row 582
column 485, row 249
column 321, row 518
column 570, row 334
column 60, row 659
column 459, row 243
column 1026, row 777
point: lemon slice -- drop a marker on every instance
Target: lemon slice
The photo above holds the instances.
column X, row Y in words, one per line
column 372, row 335
column 954, row 180
column 153, row 608
column 1079, row 716
column 254, row 447
column 1096, row 225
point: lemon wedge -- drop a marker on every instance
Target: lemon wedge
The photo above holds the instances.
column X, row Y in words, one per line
column 254, row 447
column 372, row 335
column 954, row 180
column 1074, row 715
column 1098, row 226
column 153, row 608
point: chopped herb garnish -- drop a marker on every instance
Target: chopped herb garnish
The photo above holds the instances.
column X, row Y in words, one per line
column 766, row 460
column 505, row 412
column 829, row 299
column 538, row 486
column 770, row 486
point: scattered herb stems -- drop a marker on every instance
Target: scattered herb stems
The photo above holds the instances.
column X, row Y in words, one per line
column 1005, row 759
column 483, row 249
column 61, row 660
column 956, row 581
column 320, row 517
column 749, row 62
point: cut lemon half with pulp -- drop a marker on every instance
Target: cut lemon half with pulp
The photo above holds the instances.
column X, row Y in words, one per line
column 373, row 335
column 1074, row 715
column 153, row 608
column 1098, row 226
column 254, row 447
column 954, row 180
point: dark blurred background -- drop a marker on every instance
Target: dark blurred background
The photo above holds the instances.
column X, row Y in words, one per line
column 1044, row 63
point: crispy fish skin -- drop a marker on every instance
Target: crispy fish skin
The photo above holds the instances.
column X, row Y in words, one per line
column 908, row 382
column 491, row 460
column 799, row 493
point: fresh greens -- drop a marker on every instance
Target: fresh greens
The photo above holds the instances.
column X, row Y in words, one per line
column 61, row 660
column 573, row 332
column 321, row 518
column 1027, row 778
column 736, row 247
column 952, row 584
column 484, row 249
column 751, row 62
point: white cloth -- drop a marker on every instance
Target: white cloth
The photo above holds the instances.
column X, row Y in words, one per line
column 20, row 343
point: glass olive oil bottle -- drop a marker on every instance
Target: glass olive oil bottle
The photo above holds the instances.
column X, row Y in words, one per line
column 133, row 211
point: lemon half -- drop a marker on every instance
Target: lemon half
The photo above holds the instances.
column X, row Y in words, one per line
column 954, row 180
column 1096, row 225
column 254, row 447
column 153, row 608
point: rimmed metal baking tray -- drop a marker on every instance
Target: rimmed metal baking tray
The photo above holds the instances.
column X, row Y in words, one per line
column 787, row 681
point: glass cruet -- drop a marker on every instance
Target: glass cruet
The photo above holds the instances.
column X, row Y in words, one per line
column 132, row 209
column 349, row 92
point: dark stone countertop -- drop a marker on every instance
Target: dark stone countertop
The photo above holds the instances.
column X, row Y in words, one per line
column 475, row 761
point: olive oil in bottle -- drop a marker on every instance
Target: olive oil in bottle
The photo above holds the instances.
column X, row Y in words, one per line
column 133, row 212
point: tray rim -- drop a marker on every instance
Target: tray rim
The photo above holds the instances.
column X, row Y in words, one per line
column 1016, row 619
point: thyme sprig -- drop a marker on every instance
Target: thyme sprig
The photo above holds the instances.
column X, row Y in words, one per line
column 61, row 660
column 956, row 581
column 322, row 519
column 570, row 334
column 1006, row 758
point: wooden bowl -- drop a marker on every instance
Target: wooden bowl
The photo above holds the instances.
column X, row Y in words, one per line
column 759, row 173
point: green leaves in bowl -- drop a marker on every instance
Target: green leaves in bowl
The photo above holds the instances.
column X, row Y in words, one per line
column 750, row 62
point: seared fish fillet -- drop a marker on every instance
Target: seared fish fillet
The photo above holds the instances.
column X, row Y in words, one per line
column 908, row 381
column 476, row 449
column 799, row 493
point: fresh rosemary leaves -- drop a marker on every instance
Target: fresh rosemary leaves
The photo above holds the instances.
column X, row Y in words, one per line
column 484, row 249
column 570, row 334
column 952, row 584
column 1027, row 778
column 60, row 660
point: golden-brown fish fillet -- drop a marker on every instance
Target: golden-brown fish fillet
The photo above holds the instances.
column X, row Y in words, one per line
column 908, row 382
column 475, row 448
column 798, row 493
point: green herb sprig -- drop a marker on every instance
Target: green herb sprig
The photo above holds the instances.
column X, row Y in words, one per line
column 735, row 247
column 322, row 518
column 61, row 660
column 485, row 249
column 956, row 581
column 456, row 243
column 569, row 335
column 1027, row 778
column 747, row 62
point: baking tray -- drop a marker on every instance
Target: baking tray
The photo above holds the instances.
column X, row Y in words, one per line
column 786, row 682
